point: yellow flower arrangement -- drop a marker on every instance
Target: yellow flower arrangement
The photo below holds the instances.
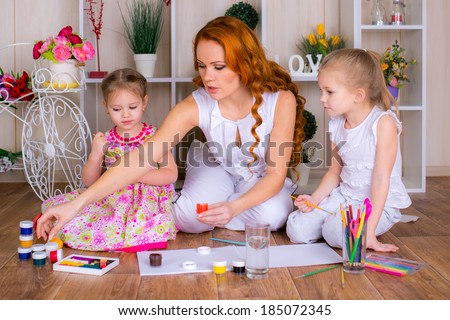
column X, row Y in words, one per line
column 320, row 43
column 394, row 65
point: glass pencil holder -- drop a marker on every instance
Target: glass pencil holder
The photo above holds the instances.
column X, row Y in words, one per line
column 354, row 247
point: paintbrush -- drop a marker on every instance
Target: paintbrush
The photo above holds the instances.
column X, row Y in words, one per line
column 310, row 204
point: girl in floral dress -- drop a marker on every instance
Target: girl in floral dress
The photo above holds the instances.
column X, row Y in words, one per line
column 137, row 217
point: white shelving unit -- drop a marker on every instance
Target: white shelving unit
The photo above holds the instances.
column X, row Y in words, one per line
column 356, row 24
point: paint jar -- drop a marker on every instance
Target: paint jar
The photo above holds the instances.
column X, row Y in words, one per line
column 39, row 258
column 220, row 266
column 38, row 247
column 26, row 241
column 26, row 227
column 155, row 259
column 56, row 255
column 24, row 253
column 239, row 266
column 201, row 207
column 58, row 241
column 50, row 246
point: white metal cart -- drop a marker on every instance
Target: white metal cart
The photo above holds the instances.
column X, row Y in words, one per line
column 56, row 136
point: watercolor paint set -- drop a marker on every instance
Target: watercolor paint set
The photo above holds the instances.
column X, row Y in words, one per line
column 76, row 263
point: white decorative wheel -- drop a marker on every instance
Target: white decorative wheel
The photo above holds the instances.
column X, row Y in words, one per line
column 55, row 142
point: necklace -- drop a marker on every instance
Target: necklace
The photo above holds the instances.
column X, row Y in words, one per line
column 126, row 140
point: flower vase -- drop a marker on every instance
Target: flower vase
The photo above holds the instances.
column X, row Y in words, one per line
column 64, row 75
column 393, row 91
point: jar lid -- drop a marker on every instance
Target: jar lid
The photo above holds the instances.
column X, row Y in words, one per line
column 26, row 224
column 238, row 263
column 26, row 238
column 51, row 246
column 189, row 265
column 220, row 263
column 39, row 255
column 204, row 250
column 24, row 250
column 38, row 247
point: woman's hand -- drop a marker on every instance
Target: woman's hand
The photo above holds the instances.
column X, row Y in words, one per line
column 218, row 214
column 374, row 244
column 54, row 219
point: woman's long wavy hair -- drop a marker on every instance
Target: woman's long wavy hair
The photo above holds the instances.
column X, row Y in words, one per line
column 245, row 55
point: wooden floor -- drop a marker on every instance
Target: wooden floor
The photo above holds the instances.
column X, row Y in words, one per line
column 426, row 240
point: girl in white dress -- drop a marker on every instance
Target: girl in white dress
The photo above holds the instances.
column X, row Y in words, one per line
column 365, row 157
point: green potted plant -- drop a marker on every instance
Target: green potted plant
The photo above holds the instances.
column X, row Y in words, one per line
column 143, row 27
column 308, row 150
column 310, row 129
column 244, row 11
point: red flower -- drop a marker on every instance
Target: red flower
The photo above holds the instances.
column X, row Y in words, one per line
column 25, row 77
column 21, row 84
column 65, row 31
column 75, row 39
column 36, row 53
column 14, row 92
column 25, row 92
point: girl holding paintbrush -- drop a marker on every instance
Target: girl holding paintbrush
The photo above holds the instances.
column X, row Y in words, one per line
column 366, row 160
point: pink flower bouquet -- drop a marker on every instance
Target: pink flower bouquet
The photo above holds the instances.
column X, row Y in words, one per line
column 65, row 46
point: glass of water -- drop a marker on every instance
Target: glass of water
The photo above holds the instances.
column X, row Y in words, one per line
column 257, row 237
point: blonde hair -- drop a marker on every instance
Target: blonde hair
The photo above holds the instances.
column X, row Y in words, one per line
column 245, row 55
column 362, row 69
column 127, row 79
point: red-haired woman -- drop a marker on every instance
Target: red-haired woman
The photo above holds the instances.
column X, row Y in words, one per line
column 251, row 115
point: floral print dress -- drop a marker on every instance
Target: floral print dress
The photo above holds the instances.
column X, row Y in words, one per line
column 135, row 218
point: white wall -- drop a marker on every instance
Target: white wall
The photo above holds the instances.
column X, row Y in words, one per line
column 28, row 20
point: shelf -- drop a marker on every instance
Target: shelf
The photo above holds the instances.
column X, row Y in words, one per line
column 305, row 77
column 369, row 27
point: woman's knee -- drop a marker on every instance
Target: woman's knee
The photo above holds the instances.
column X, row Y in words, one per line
column 301, row 229
column 185, row 220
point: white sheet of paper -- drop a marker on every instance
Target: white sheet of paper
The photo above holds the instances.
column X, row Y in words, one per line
column 295, row 255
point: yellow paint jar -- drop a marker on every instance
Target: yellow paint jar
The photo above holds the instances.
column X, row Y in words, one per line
column 219, row 267
column 26, row 241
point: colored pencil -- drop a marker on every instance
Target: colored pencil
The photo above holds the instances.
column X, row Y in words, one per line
column 308, row 274
column 342, row 278
column 385, row 270
column 239, row 243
